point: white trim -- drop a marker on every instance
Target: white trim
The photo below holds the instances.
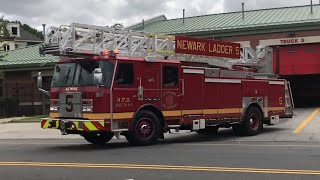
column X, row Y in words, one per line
column 214, row 80
column 244, row 43
column 192, row 67
column 288, row 41
column 276, row 82
column 193, row 71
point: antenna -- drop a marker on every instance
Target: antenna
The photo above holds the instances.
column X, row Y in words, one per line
column 183, row 15
column 44, row 32
column 242, row 11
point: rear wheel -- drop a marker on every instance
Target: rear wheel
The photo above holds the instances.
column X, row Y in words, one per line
column 99, row 139
column 252, row 123
column 145, row 129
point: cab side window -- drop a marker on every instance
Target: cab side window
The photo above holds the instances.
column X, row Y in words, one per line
column 170, row 76
column 125, row 74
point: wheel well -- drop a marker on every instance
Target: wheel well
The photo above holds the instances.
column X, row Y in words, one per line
column 253, row 105
column 155, row 110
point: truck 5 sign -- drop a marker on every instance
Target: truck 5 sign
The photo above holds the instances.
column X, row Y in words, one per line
column 292, row 41
column 288, row 41
column 187, row 45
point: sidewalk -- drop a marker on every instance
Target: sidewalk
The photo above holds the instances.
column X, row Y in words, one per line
column 30, row 131
column 7, row 120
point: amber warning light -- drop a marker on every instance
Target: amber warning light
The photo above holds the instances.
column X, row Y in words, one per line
column 206, row 47
column 110, row 52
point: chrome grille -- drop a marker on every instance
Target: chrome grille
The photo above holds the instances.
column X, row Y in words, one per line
column 70, row 105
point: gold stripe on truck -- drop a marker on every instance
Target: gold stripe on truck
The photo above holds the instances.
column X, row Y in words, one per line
column 276, row 108
column 129, row 115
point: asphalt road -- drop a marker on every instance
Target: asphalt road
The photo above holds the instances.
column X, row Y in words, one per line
column 288, row 150
column 189, row 158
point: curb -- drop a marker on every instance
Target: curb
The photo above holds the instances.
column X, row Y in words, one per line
column 18, row 120
column 5, row 121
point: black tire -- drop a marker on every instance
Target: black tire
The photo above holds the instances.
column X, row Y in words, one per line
column 208, row 131
column 252, row 123
column 98, row 139
column 145, row 129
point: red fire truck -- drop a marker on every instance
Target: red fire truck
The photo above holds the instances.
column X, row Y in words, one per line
column 113, row 82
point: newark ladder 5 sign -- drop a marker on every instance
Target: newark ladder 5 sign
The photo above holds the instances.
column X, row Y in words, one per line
column 206, row 47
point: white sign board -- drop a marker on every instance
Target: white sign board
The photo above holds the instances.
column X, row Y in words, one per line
column 288, row 41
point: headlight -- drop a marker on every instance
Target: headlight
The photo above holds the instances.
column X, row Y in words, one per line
column 54, row 105
column 87, row 105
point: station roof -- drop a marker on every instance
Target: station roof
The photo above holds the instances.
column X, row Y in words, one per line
column 262, row 19
column 24, row 58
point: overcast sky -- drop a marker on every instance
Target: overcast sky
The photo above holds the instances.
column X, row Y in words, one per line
column 127, row 12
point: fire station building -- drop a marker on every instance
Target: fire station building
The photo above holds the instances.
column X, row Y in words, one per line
column 294, row 31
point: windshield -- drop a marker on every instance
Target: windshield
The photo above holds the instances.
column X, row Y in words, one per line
column 81, row 73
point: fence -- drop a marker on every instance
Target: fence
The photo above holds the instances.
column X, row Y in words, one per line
column 22, row 99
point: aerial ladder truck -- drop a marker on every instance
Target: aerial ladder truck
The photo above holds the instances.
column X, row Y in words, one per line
column 111, row 82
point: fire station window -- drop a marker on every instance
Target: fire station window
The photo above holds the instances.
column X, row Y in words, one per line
column 125, row 74
column 170, row 76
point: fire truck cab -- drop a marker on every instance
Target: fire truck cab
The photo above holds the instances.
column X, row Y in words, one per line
column 108, row 95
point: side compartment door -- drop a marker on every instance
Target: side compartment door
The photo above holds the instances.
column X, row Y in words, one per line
column 192, row 103
column 171, row 91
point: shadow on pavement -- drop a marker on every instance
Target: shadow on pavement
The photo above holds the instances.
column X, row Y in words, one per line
column 188, row 137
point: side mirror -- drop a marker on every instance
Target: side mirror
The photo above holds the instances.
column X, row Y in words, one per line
column 39, row 84
column 39, row 80
column 97, row 76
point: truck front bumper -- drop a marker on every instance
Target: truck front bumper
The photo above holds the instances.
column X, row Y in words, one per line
column 75, row 125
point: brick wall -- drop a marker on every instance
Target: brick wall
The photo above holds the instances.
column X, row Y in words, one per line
column 22, row 85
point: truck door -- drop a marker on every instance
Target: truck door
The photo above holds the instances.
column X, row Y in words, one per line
column 125, row 89
column 171, row 91
column 150, row 81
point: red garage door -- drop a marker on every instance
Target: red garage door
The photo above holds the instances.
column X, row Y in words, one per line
column 298, row 59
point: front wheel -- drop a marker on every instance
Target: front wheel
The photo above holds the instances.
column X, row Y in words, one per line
column 98, row 139
column 145, row 129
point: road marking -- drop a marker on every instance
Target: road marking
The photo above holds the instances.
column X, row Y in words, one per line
column 164, row 167
column 306, row 121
